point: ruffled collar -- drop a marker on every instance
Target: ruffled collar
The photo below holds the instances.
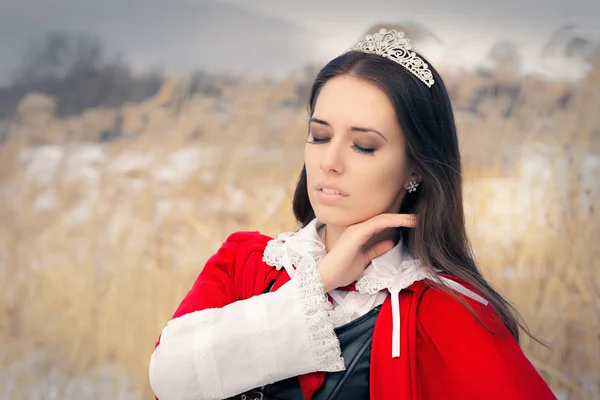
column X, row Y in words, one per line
column 393, row 271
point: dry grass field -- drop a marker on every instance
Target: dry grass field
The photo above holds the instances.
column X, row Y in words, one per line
column 100, row 241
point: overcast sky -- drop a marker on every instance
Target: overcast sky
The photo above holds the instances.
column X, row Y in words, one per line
column 276, row 36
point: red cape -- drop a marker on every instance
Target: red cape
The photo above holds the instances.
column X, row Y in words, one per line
column 445, row 353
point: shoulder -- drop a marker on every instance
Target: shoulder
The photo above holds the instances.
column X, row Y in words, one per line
column 469, row 353
column 442, row 309
column 248, row 238
column 241, row 245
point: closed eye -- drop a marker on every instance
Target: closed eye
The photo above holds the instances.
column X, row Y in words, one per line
column 363, row 150
column 316, row 140
column 357, row 148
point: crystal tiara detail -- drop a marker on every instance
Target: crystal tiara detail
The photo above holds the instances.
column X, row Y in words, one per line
column 394, row 46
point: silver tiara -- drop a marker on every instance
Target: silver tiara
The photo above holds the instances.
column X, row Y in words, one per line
column 394, row 46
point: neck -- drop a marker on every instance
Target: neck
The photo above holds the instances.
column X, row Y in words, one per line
column 331, row 234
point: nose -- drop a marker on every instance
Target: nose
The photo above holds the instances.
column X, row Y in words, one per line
column 332, row 158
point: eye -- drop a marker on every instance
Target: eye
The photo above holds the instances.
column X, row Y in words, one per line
column 317, row 140
column 363, row 150
column 355, row 147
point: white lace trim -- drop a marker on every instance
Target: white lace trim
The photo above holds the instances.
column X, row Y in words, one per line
column 382, row 277
column 301, row 266
column 273, row 254
column 277, row 254
column 317, row 308
column 289, row 248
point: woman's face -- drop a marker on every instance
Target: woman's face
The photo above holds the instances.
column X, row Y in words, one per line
column 356, row 148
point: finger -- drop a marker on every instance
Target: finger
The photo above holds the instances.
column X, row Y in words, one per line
column 407, row 220
column 371, row 227
column 384, row 221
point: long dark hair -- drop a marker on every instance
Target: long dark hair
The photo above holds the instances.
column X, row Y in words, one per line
column 427, row 121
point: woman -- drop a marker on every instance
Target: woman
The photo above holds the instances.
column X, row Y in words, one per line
column 366, row 300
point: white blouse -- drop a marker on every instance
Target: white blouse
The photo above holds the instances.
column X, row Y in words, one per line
column 218, row 353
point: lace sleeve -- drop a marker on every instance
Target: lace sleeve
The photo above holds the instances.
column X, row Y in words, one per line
column 299, row 258
column 317, row 309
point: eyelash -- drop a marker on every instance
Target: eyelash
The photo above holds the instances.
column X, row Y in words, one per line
column 356, row 147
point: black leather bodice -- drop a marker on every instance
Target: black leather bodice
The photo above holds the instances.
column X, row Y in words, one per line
column 353, row 383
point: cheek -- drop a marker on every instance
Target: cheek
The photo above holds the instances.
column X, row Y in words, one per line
column 382, row 182
column 309, row 162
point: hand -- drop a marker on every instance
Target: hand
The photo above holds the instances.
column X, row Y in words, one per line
column 352, row 252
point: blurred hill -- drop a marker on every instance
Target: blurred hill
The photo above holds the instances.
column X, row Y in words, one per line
column 69, row 90
column 86, row 84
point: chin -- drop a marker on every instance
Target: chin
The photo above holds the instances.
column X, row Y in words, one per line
column 335, row 216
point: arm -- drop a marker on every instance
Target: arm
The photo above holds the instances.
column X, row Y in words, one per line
column 459, row 359
column 223, row 340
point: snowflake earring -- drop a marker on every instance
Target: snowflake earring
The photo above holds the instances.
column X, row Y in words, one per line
column 412, row 186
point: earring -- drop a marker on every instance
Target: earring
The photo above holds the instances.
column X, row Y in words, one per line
column 412, row 186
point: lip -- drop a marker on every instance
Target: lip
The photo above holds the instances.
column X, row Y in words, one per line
column 326, row 198
column 330, row 186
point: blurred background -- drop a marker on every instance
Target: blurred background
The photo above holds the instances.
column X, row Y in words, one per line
column 135, row 136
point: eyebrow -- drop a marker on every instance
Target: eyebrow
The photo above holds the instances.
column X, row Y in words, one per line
column 354, row 128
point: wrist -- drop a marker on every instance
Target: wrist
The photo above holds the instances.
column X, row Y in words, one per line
column 326, row 281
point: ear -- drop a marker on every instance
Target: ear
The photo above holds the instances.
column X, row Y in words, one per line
column 414, row 176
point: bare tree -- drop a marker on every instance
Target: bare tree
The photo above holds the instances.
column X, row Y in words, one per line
column 76, row 70
column 566, row 41
column 58, row 55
